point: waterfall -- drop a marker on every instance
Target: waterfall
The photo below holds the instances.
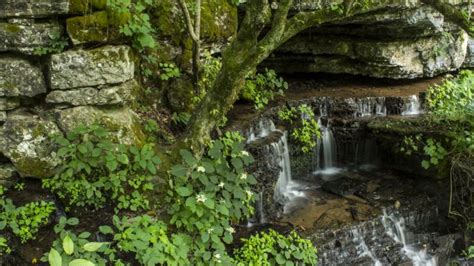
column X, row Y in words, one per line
column 370, row 106
column 395, row 228
column 260, row 130
column 326, row 152
column 412, row 106
column 286, row 189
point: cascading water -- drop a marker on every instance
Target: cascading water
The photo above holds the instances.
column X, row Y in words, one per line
column 395, row 228
column 326, row 152
column 362, row 248
column 286, row 189
column 261, row 130
column 370, row 106
column 412, row 106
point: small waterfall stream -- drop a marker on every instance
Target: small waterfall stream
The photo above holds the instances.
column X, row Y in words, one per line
column 412, row 106
column 286, row 189
column 326, row 152
column 395, row 228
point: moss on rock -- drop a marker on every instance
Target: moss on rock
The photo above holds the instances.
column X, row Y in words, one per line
column 86, row 6
column 89, row 28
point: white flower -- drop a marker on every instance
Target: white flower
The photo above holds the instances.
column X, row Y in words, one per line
column 249, row 193
column 201, row 198
column 210, row 230
column 230, row 230
column 243, row 176
column 201, row 169
column 221, row 184
column 217, row 257
column 244, row 153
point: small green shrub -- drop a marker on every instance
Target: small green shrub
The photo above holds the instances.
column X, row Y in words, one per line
column 134, row 22
column 262, row 87
column 72, row 249
column 56, row 45
column 305, row 128
column 4, row 248
column 147, row 238
column 169, row 71
column 24, row 221
column 96, row 170
column 207, row 195
column 272, row 248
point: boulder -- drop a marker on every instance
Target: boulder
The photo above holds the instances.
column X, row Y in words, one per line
column 24, row 36
column 7, row 104
column 121, row 121
column 88, row 68
column 25, row 141
column 113, row 95
column 33, row 9
column 20, row 78
column 89, row 28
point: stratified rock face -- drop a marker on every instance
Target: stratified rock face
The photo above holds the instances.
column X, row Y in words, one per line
column 24, row 139
column 33, row 8
column 88, row 68
column 122, row 122
column 24, row 36
column 423, row 57
column 114, row 95
column 409, row 40
column 20, row 78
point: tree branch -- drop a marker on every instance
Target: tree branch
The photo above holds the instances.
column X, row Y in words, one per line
column 187, row 18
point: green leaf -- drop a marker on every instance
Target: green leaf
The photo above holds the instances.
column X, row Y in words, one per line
column 184, row 191
column 122, row 158
column 178, row 171
column 188, row 157
column 81, row 262
column 94, row 246
column 209, row 203
column 54, row 258
column 68, row 245
column 112, row 165
column 105, row 229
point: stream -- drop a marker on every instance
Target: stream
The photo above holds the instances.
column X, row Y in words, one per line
column 342, row 196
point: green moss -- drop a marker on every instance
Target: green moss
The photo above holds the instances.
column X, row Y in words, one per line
column 86, row 6
column 89, row 28
column 32, row 167
column 12, row 28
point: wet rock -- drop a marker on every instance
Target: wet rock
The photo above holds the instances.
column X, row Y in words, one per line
column 114, row 95
column 23, row 36
column 24, row 139
column 20, row 78
column 87, row 68
column 7, row 104
column 7, row 173
column 90, row 28
column 33, row 9
column 121, row 121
